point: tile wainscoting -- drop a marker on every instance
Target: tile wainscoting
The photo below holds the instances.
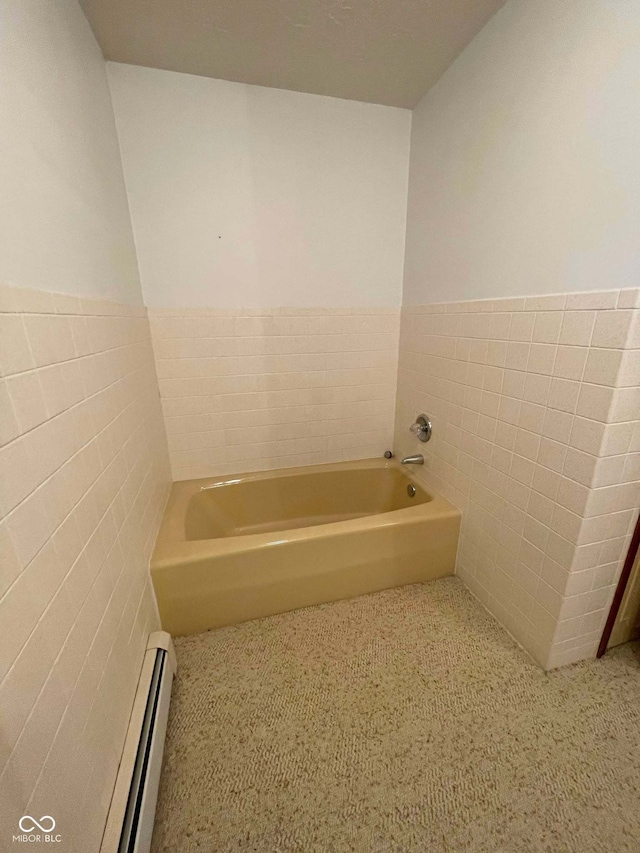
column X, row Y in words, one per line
column 535, row 405
column 252, row 390
column 84, row 480
column 535, row 408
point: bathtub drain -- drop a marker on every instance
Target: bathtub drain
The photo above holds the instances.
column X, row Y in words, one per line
column 411, row 491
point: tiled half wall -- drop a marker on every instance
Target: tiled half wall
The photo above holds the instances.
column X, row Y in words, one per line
column 260, row 389
column 535, row 406
column 84, row 480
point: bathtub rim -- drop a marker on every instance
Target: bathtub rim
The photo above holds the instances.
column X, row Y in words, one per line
column 172, row 549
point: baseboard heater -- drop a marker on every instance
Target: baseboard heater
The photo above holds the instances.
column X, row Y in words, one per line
column 130, row 820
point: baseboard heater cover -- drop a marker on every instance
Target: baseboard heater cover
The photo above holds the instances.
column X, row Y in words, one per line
column 130, row 820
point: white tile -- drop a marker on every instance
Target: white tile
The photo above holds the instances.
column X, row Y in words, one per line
column 611, row 329
column 570, row 362
column 547, row 325
column 513, row 383
column 579, row 582
column 558, row 388
column 34, row 556
column 563, row 395
column 522, row 469
column 541, row 359
column 527, row 444
column 617, row 439
column 540, row 507
column 518, row 355
column 590, row 300
column 597, row 528
column 579, row 466
column 522, row 327
column 609, row 470
column 629, row 374
column 587, row 435
column 633, row 338
column 624, row 406
column 27, row 400
column 509, row 410
column 631, row 471
column 536, row 388
column 551, row 302
column 613, row 499
column 532, row 416
column 577, row 328
column 557, row 425
column 15, row 352
column 573, row 496
column 552, row 454
column 595, row 402
column 9, row 428
column 629, row 298
column 40, row 337
column 603, row 366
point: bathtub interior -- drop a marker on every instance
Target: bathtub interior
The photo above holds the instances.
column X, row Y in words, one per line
column 294, row 500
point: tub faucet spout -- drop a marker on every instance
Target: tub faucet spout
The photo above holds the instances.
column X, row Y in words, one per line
column 417, row 459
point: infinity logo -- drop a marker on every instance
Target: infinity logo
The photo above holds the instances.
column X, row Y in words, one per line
column 28, row 823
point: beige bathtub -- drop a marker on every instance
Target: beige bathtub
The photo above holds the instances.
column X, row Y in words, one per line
column 253, row 545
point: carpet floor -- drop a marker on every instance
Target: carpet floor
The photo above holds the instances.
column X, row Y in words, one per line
column 402, row 721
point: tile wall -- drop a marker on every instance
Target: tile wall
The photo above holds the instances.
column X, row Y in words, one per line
column 535, row 406
column 84, row 479
column 273, row 388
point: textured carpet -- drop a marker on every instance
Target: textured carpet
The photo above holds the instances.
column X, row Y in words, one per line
column 401, row 721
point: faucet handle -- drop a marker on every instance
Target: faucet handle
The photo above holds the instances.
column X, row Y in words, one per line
column 421, row 428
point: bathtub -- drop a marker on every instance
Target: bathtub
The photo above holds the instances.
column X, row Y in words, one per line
column 238, row 548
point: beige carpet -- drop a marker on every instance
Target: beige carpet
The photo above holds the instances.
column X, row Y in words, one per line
column 401, row 721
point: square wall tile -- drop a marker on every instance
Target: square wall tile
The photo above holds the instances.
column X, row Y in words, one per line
column 549, row 430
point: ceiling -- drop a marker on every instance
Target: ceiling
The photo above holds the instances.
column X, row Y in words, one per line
column 382, row 51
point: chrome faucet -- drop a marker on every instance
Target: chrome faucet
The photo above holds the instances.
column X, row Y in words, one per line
column 416, row 459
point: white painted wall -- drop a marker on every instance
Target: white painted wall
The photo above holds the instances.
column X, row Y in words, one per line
column 525, row 164
column 244, row 196
column 64, row 218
